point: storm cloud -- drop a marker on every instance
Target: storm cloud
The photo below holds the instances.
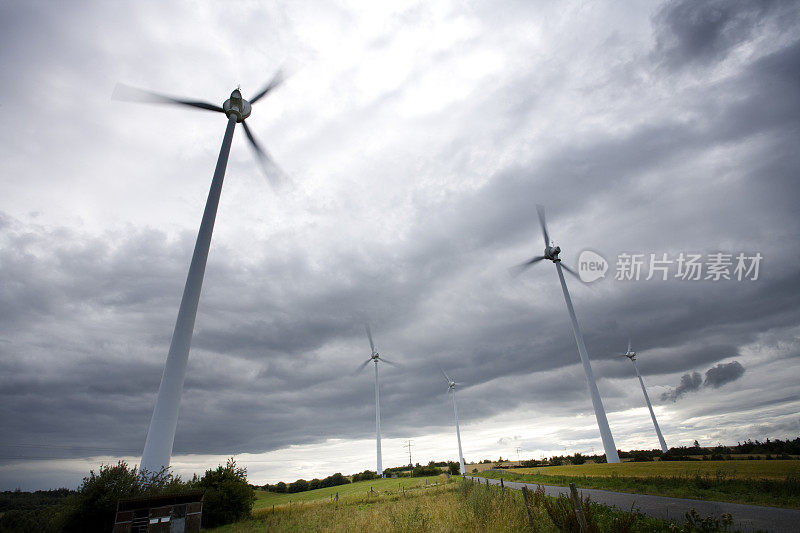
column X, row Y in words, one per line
column 723, row 373
column 689, row 383
column 716, row 377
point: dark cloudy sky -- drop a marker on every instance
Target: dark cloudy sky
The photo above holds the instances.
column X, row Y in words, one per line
column 418, row 137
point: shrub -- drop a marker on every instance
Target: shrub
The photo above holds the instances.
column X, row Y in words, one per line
column 228, row 498
column 18, row 521
column 366, row 475
column 94, row 506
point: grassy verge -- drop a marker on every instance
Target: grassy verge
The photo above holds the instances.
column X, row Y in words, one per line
column 453, row 506
column 718, row 487
column 729, row 469
column 266, row 499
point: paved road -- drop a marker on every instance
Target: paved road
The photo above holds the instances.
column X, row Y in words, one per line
column 746, row 518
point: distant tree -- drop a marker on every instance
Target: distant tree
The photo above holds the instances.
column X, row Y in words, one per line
column 366, row 475
column 426, row 471
column 577, row 459
column 301, row 485
column 280, row 487
column 453, row 468
column 314, row 484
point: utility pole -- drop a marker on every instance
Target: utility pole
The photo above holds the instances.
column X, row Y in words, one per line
column 408, row 445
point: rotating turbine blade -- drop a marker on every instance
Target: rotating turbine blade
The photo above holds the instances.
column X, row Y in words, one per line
column 388, row 362
column 568, row 269
column 446, row 377
column 275, row 82
column 629, row 346
column 271, row 170
column 518, row 269
column 132, row 94
column 369, row 334
column 362, row 365
column 540, row 210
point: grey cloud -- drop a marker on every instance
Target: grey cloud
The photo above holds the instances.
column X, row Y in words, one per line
column 723, row 373
column 690, row 32
column 689, row 383
column 715, row 377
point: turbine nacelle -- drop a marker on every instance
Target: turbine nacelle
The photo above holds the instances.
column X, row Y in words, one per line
column 551, row 252
column 630, row 354
column 236, row 105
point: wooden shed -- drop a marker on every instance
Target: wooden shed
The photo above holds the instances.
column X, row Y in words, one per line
column 172, row 513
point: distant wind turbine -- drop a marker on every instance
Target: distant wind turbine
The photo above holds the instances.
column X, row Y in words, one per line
column 551, row 253
column 451, row 387
column 161, row 433
column 375, row 357
column 632, row 356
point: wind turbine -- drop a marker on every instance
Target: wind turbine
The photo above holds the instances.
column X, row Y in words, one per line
column 161, row 432
column 374, row 358
column 632, row 356
column 451, row 387
column 551, row 253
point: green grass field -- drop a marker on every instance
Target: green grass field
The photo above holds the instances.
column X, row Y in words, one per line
column 447, row 506
column 770, row 483
column 778, row 469
column 266, row 499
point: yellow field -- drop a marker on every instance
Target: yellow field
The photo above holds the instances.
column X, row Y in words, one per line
column 778, row 469
column 266, row 499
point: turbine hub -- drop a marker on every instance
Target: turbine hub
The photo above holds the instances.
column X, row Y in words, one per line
column 551, row 253
column 236, row 105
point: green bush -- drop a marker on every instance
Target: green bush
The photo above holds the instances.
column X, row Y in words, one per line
column 228, row 497
column 94, row 506
column 18, row 521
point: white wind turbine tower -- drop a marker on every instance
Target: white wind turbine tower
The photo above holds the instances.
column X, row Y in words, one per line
column 632, row 356
column 451, row 387
column 551, row 253
column 375, row 357
column 161, row 433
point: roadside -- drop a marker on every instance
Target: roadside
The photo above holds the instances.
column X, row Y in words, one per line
column 745, row 517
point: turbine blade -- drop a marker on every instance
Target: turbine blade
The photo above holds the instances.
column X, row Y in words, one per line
column 271, row 170
column 446, row 377
column 568, row 269
column 543, row 222
column 362, row 365
column 388, row 362
column 127, row 93
column 518, row 269
column 369, row 334
column 275, row 82
column 629, row 346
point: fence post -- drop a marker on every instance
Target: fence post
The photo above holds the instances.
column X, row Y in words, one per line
column 502, row 487
column 576, row 502
column 527, row 505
